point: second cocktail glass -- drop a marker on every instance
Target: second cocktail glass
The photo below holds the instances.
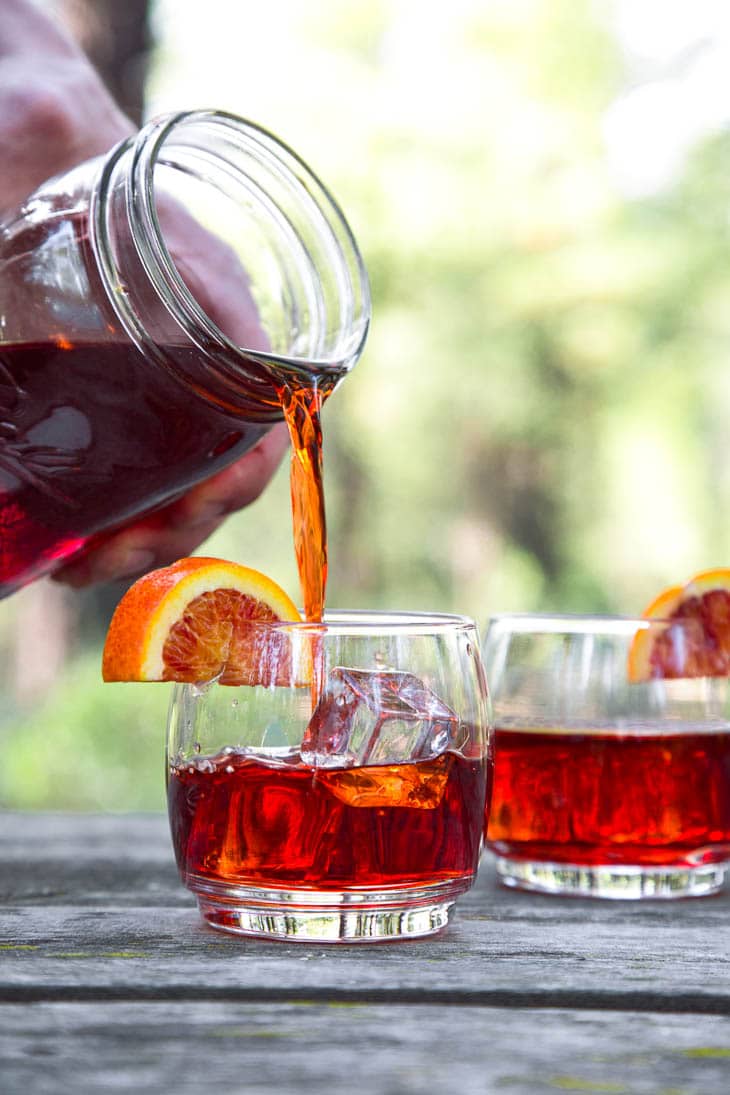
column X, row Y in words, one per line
column 604, row 784
column 342, row 798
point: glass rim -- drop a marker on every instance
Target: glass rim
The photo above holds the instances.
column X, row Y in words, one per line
column 374, row 622
column 148, row 148
column 549, row 623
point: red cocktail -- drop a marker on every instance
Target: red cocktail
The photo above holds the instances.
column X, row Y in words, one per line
column 361, row 819
column 605, row 784
column 626, row 799
column 241, row 821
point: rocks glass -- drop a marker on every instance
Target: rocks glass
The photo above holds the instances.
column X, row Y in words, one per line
column 605, row 785
column 342, row 798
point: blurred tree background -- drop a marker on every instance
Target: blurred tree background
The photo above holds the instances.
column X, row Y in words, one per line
column 541, row 189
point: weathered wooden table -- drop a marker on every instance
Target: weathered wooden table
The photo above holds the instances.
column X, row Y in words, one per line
column 108, row 980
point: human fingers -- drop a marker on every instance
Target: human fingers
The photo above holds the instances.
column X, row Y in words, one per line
column 135, row 550
column 233, row 488
column 180, row 528
column 213, row 273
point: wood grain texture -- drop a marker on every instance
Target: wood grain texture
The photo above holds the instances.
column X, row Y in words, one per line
column 108, row 978
column 394, row 1049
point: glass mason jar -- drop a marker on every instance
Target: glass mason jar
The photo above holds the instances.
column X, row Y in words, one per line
column 155, row 303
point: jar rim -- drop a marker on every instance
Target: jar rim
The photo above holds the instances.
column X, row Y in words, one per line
column 148, row 149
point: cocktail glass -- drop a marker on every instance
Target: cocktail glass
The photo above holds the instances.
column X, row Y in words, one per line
column 342, row 799
column 605, row 785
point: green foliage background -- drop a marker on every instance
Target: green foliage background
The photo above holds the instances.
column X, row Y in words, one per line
column 539, row 419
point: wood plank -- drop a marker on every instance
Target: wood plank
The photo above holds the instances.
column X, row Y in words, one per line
column 121, row 955
column 91, row 908
column 364, row 1050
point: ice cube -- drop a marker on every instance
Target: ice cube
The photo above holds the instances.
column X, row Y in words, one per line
column 419, row 786
column 368, row 717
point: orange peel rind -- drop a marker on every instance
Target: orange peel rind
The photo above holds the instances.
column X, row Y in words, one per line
column 692, row 635
column 195, row 621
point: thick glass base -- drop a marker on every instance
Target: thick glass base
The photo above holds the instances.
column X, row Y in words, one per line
column 309, row 916
column 619, row 882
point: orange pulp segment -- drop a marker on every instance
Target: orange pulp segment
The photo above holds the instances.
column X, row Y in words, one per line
column 192, row 621
column 699, row 646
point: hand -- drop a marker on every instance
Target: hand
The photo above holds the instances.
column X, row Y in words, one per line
column 54, row 110
column 179, row 528
column 56, row 113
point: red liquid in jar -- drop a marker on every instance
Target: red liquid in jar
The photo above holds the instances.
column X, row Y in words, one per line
column 93, row 434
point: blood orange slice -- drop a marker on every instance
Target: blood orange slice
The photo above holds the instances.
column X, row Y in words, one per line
column 695, row 642
column 195, row 621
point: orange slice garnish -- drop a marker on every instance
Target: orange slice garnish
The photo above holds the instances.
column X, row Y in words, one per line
column 699, row 644
column 195, row 621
